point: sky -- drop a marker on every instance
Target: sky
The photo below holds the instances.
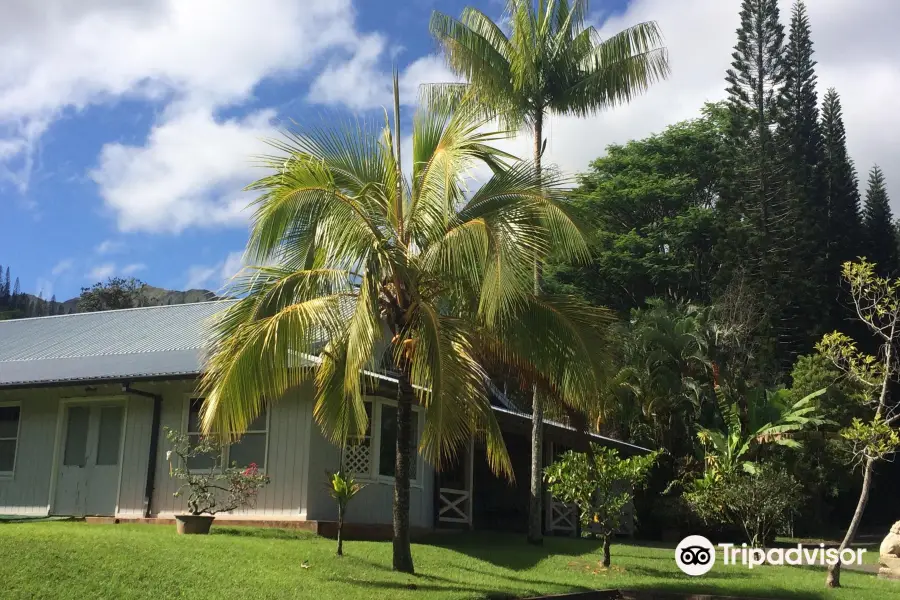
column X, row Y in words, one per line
column 128, row 127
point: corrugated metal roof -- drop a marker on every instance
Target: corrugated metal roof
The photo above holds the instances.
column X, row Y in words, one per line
column 115, row 344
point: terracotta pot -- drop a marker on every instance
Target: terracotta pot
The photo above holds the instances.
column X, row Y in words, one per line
column 193, row 524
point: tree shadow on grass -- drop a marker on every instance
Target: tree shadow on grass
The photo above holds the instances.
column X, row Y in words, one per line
column 511, row 551
column 265, row 533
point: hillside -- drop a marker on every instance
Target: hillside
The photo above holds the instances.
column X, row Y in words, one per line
column 154, row 296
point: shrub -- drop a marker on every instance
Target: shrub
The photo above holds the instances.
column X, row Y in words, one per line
column 218, row 488
column 758, row 503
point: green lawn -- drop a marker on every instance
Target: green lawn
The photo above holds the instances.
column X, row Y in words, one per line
column 77, row 560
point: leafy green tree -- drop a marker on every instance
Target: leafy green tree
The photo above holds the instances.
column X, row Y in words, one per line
column 878, row 220
column 601, row 485
column 551, row 62
column 875, row 437
column 364, row 264
column 821, row 465
column 841, row 188
column 115, row 293
column 650, row 205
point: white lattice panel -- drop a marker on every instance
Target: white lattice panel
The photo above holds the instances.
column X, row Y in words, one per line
column 357, row 459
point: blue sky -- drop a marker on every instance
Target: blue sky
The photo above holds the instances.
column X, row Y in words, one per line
column 127, row 126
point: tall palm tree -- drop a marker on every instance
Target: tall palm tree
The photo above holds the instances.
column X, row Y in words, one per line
column 361, row 261
column 550, row 63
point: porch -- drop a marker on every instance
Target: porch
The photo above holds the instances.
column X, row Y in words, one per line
column 467, row 495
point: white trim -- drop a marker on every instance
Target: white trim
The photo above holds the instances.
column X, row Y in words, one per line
column 11, row 475
column 121, row 452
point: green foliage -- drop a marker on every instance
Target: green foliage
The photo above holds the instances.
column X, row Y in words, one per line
column 872, row 440
column 116, row 293
column 600, row 483
column 343, row 488
column 771, row 418
column 759, row 502
column 654, row 227
column 218, row 488
column 550, row 61
column 358, row 266
column 878, row 221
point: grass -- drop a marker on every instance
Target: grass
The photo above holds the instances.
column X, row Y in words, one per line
column 77, row 560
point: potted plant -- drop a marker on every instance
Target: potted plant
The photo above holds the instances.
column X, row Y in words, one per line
column 211, row 490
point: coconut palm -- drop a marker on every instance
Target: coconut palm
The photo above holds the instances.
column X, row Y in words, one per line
column 550, row 63
column 358, row 262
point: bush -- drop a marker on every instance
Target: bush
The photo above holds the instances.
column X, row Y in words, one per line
column 218, row 488
column 759, row 503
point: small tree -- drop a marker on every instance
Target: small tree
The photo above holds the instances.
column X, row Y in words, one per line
column 217, row 488
column 116, row 293
column 343, row 488
column 600, row 484
column 873, row 438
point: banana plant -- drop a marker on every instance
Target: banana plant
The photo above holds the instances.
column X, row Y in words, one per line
column 770, row 418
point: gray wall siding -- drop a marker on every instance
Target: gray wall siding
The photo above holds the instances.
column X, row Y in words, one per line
column 298, row 457
column 284, row 497
column 374, row 504
column 28, row 491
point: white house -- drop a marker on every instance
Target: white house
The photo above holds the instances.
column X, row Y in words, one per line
column 85, row 398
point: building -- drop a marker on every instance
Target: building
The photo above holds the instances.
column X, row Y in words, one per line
column 85, row 398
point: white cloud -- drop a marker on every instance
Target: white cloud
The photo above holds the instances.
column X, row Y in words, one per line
column 190, row 172
column 109, row 247
column 101, row 272
column 62, row 266
column 133, row 268
column 195, row 58
column 359, row 83
column 214, row 276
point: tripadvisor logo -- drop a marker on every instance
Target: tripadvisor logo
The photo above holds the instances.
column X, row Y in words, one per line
column 695, row 555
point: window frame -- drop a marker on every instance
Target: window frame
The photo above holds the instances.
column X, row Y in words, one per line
column 374, row 475
column 226, row 450
column 6, row 475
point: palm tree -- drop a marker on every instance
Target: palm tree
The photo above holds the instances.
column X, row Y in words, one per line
column 550, row 63
column 359, row 262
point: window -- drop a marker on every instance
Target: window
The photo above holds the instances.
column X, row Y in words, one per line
column 110, row 436
column 388, row 442
column 77, row 424
column 250, row 449
column 9, row 437
column 373, row 455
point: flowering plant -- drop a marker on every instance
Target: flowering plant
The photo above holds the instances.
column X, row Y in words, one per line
column 218, row 488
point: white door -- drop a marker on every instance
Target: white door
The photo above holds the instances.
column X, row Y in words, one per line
column 89, row 462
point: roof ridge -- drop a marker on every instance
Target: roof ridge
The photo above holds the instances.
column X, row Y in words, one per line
column 118, row 310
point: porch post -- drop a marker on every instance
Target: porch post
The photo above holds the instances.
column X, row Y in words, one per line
column 470, row 475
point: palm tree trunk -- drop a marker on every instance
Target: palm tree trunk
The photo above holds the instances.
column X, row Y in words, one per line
column 833, row 579
column 340, row 530
column 403, row 561
column 535, row 504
